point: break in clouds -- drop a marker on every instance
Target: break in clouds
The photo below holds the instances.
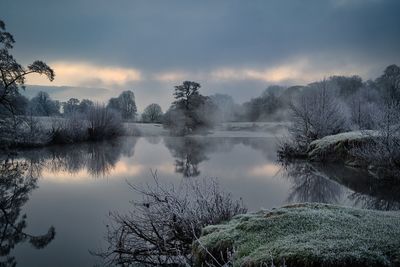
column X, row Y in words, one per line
column 229, row 47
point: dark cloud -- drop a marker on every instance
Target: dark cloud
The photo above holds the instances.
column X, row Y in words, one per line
column 201, row 36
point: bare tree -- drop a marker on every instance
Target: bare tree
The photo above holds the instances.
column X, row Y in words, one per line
column 383, row 149
column 124, row 104
column 161, row 228
column 315, row 114
column 152, row 113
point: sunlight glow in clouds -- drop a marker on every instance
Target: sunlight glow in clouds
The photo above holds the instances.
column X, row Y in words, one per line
column 86, row 74
column 284, row 72
column 300, row 71
column 171, row 76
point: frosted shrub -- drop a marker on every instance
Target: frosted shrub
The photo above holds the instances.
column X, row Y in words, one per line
column 104, row 123
column 161, row 228
column 315, row 114
column 72, row 129
column 384, row 151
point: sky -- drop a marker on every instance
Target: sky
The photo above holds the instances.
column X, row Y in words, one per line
column 99, row 48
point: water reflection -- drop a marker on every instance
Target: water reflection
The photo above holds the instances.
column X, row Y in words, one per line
column 98, row 159
column 246, row 167
column 189, row 152
column 309, row 185
column 17, row 180
column 315, row 182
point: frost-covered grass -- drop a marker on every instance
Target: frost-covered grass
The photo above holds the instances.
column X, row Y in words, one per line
column 338, row 147
column 231, row 129
column 306, row 235
column 145, row 129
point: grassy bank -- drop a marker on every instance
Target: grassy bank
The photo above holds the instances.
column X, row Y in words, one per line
column 305, row 235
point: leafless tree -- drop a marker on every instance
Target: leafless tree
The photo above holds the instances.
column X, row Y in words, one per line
column 383, row 150
column 315, row 114
column 161, row 228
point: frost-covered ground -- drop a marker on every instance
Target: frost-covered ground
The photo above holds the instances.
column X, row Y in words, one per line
column 306, row 235
column 231, row 129
column 338, row 147
column 145, row 129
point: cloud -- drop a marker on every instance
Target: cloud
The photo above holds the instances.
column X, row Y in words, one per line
column 171, row 76
column 87, row 74
column 345, row 3
column 297, row 71
column 275, row 74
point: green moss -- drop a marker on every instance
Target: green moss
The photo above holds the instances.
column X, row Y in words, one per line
column 306, row 235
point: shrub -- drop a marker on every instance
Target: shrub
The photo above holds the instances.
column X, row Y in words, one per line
column 72, row 129
column 160, row 230
column 104, row 123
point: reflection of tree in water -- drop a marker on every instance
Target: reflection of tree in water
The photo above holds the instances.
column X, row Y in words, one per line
column 266, row 145
column 309, row 185
column 368, row 191
column 376, row 202
column 189, row 152
column 317, row 182
column 15, row 185
column 98, row 159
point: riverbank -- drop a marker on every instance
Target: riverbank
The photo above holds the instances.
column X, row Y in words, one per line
column 305, row 235
column 369, row 150
column 226, row 129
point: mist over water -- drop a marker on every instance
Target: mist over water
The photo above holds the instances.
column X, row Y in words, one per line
column 79, row 185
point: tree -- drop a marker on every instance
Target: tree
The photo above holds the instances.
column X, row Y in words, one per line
column 43, row 105
column 85, row 106
column 262, row 107
column 12, row 73
column 347, row 85
column 12, row 78
column 389, row 83
column 125, row 104
column 364, row 105
column 187, row 96
column 152, row 113
column 226, row 107
column 187, row 112
column 315, row 114
column 71, row 106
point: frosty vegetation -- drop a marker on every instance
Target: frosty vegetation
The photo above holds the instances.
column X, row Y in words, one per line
column 344, row 104
column 334, row 105
column 161, row 228
column 303, row 235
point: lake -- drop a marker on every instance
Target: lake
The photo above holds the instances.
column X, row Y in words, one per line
column 74, row 188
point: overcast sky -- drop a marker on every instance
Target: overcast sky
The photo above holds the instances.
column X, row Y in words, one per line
column 233, row 47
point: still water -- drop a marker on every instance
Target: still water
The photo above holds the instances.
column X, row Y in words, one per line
column 75, row 188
